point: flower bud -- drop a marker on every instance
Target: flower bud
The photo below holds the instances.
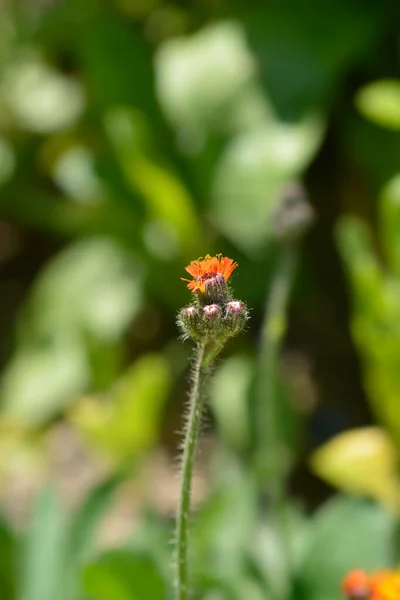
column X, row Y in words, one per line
column 236, row 316
column 190, row 322
column 211, row 311
column 215, row 289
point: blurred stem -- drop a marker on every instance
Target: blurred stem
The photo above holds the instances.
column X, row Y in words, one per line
column 204, row 354
column 272, row 463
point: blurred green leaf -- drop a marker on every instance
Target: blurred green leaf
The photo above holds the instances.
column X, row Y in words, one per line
column 123, row 575
column 389, row 213
column 375, row 321
column 277, row 548
column 7, row 562
column 252, row 172
column 127, row 424
column 164, row 194
column 355, row 245
column 152, row 536
column 344, row 535
column 39, row 382
column 380, row 102
column 223, row 527
column 229, row 400
column 39, row 98
column 300, row 60
column 43, row 572
column 200, row 76
column 361, row 461
column 86, row 521
column 92, row 288
column 114, row 57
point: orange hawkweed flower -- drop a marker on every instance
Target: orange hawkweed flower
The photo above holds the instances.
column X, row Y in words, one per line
column 356, row 585
column 385, row 586
column 209, row 269
column 379, row 585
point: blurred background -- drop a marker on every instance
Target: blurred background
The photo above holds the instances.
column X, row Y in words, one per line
column 136, row 136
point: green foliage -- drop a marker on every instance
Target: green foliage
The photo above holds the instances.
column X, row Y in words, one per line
column 119, row 575
column 339, row 540
column 136, row 136
column 376, row 293
column 379, row 101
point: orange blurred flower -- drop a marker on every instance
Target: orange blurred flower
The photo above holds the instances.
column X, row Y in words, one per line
column 356, row 585
column 209, row 269
column 379, row 585
column 385, row 586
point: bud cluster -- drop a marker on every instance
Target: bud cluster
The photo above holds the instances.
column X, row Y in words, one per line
column 213, row 315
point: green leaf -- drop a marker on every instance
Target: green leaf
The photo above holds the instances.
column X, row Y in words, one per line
column 200, row 76
column 389, row 217
column 375, row 320
column 7, row 563
column 91, row 289
column 39, row 382
column 220, row 533
column 380, row 102
column 345, row 534
column 93, row 286
column 166, row 198
column 361, row 461
column 123, row 575
column 44, row 573
column 86, row 521
column 127, row 424
column 252, row 172
column 229, row 400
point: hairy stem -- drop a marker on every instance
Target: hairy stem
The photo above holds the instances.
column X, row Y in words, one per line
column 199, row 382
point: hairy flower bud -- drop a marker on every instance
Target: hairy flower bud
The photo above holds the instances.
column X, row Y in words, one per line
column 190, row 322
column 215, row 289
column 236, row 316
column 211, row 311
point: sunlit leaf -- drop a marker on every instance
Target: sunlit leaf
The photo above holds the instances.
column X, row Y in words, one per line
column 93, row 286
column 252, row 172
column 380, row 102
column 39, row 382
column 39, row 98
column 361, row 461
column 127, row 423
column 389, row 212
column 198, row 76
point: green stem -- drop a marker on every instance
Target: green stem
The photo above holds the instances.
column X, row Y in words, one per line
column 273, row 331
column 197, row 394
column 272, row 459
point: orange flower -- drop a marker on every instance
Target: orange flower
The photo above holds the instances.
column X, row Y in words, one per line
column 385, row 586
column 356, row 585
column 209, row 269
column 379, row 585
